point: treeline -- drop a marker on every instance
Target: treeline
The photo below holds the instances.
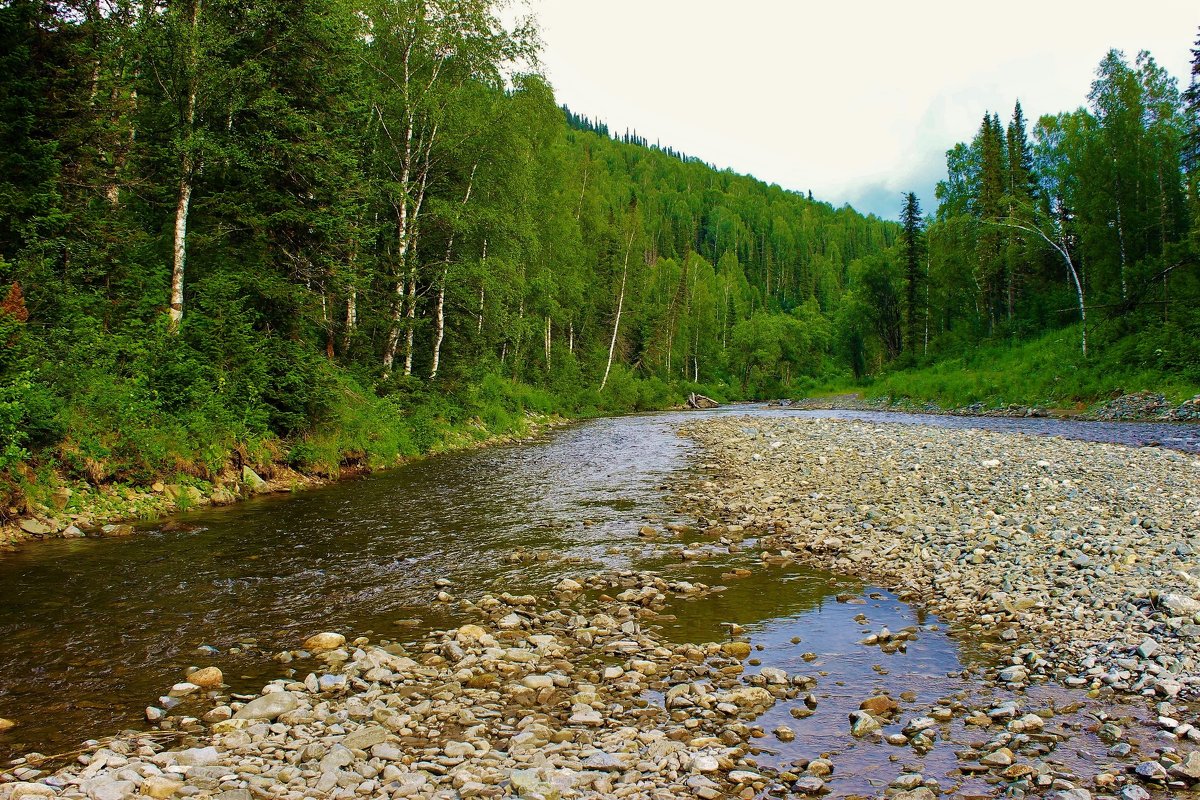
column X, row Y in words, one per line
column 227, row 223
column 1090, row 220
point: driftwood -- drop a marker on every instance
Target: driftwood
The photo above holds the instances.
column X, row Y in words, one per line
column 700, row 401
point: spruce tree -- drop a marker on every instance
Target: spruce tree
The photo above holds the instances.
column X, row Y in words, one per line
column 911, row 219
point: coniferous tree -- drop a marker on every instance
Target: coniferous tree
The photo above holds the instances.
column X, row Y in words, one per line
column 914, row 277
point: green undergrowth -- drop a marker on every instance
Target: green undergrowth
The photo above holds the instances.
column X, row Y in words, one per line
column 1049, row 371
column 118, row 433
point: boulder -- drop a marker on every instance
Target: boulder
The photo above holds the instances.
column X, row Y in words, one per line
column 251, row 480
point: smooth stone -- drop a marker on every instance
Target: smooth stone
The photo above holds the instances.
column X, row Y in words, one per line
column 1189, row 768
column 207, row 678
column 324, row 641
column 863, row 724
column 809, row 784
column 268, row 707
column 366, row 737
column 25, row 791
column 160, row 787
column 198, row 756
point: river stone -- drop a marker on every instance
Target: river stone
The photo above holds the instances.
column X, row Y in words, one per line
column 1014, row 674
column 410, row 783
column 863, row 724
column 251, row 479
column 7, row 724
column 366, row 737
column 207, row 678
column 105, row 787
column 268, row 707
column 774, row 675
column 917, row 725
column 1151, row 771
column 471, row 633
column 160, row 787
column 586, row 717
column 738, row 650
column 1003, row 757
column 532, row 782
column 604, row 762
column 880, row 704
column 922, row 793
column 324, row 641
column 198, row 757
column 331, row 682
column 340, row 756
column 25, row 791
column 809, row 784
column 36, row 527
column 1189, row 768
column 1179, row 605
column 747, row 698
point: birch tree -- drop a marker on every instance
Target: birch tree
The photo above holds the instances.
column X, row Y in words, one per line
column 422, row 53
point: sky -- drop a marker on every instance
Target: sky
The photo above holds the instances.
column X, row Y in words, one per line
column 856, row 100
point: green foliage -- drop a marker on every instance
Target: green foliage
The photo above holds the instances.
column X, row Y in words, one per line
column 395, row 241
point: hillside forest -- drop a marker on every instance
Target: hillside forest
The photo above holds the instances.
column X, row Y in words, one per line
column 333, row 231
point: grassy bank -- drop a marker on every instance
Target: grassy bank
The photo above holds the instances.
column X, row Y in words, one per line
column 112, row 463
column 1048, row 372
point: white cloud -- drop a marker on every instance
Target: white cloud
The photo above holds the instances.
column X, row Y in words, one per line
column 857, row 101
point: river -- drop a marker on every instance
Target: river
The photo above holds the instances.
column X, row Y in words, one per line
column 94, row 630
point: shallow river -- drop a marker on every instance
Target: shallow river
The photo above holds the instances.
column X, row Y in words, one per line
column 93, row 631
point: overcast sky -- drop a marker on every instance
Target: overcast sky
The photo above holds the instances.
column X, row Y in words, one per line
column 857, row 101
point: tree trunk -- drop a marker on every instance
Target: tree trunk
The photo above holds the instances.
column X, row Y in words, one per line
column 612, row 345
column 187, row 167
column 439, row 314
column 1124, row 253
column 410, row 311
column 351, row 319
column 482, row 266
column 186, row 175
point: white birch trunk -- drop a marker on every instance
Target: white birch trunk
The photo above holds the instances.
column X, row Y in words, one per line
column 612, row 345
column 439, row 316
column 187, row 167
column 351, row 319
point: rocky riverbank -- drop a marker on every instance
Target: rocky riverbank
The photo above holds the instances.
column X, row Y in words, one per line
column 1135, row 407
column 1085, row 556
column 566, row 696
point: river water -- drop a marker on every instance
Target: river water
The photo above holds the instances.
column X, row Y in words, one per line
column 94, row 630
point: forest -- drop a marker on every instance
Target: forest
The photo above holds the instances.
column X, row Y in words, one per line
column 332, row 231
